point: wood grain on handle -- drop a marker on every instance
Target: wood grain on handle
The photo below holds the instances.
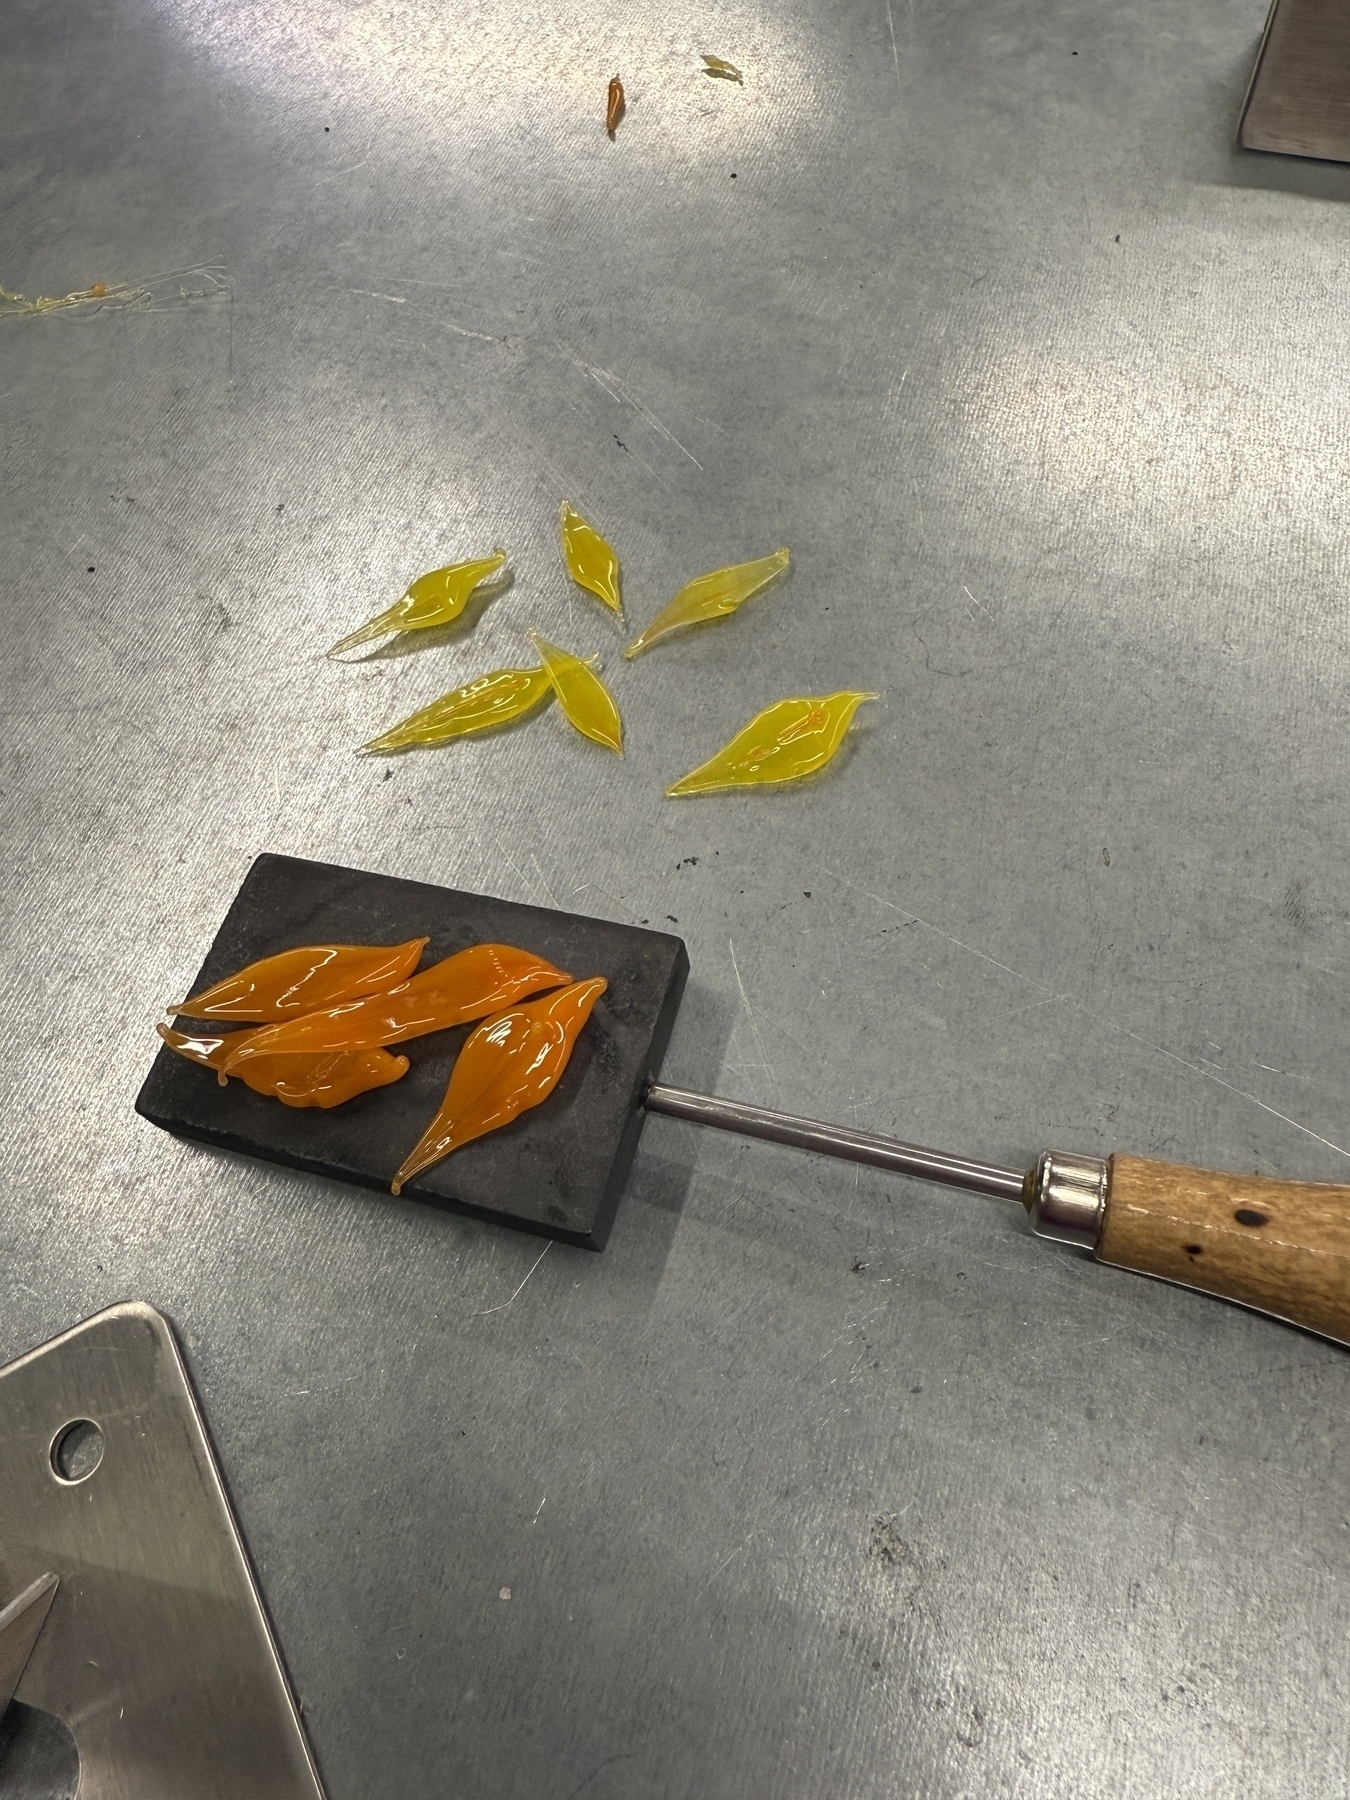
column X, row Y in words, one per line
column 1280, row 1246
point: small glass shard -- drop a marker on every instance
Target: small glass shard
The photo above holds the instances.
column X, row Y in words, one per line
column 711, row 596
column 721, row 69
column 614, row 106
column 323, row 1080
column 469, row 985
column 786, row 741
column 302, row 980
column 433, row 599
column 510, row 1063
column 590, row 561
column 481, row 705
column 584, row 698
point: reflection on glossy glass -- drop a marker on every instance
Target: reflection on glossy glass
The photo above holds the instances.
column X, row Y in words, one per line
column 786, row 741
column 480, row 705
column 324, row 1080
column 301, row 980
column 435, row 598
column 590, row 561
column 510, row 1063
column 711, row 596
column 584, row 698
column 467, row 986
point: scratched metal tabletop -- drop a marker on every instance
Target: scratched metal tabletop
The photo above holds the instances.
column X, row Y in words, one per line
column 815, row 1483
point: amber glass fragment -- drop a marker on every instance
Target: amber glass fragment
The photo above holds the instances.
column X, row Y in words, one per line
column 614, row 106
column 786, row 741
column 433, row 599
column 510, row 1063
column 324, row 1080
column 303, row 980
column 470, row 985
column 590, row 561
column 585, row 699
column 711, row 596
column 481, row 705
column 721, row 69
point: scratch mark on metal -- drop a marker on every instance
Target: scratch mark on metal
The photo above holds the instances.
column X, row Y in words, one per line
column 617, row 390
column 505, row 1303
column 1196, row 1068
column 724, row 1564
column 750, row 1015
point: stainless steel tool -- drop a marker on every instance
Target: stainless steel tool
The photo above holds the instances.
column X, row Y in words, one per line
column 1280, row 1247
column 133, row 1643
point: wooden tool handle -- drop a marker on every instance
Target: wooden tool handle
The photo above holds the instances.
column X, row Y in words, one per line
column 1282, row 1247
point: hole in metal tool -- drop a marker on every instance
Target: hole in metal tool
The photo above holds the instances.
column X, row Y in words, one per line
column 77, row 1450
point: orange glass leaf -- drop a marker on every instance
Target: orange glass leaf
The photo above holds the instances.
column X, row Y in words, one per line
column 325, row 1080
column 471, row 985
column 509, row 1064
column 303, row 980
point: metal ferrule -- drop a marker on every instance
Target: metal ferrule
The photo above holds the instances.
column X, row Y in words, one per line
column 1068, row 1198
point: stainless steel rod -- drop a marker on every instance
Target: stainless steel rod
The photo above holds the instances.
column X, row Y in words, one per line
column 835, row 1140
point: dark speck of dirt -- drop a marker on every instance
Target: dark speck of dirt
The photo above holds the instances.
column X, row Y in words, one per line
column 282, row 507
column 1248, row 1215
column 1117, row 237
column 90, row 569
column 733, row 178
column 386, row 775
column 644, row 921
column 672, row 918
column 876, row 1665
column 859, row 1266
column 1194, row 1249
column 1106, row 858
column 917, row 1390
column 326, row 127
column 806, row 893
column 886, row 1546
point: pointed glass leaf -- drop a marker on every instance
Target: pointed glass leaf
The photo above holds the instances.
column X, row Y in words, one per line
column 433, row 599
column 493, row 699
column 711, row 596
column 585, row 699
column 786, row 741
column 590, row 561
column 510, row 1063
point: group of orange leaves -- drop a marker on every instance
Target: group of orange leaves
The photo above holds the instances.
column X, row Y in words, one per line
column 323, row 1016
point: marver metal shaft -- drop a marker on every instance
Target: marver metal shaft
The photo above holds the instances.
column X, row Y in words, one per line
column 835, row 1140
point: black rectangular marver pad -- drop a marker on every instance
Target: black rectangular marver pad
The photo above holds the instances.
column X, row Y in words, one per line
column 558, row 1169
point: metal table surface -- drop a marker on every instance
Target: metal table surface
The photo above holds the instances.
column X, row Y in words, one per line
column 814, row 1483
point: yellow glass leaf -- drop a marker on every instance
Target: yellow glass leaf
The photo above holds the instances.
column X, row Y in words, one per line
column 585, row 699
column 790, row 739
column 711, row 597
column 433, row 599
column 493, row 699
column 590, row 561
column 721, row 69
